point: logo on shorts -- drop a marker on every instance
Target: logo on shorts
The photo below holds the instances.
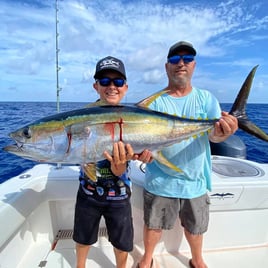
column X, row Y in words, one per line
column 100, row 190
column 111, row 192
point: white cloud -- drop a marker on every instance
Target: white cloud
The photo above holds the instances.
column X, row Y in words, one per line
column 227, row 34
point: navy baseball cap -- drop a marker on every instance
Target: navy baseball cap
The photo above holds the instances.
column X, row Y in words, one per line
column 109, row 63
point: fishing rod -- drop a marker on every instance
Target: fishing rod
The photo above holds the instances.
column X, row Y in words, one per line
column 58, row 88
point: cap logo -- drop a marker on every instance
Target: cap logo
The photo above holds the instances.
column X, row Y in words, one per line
column 109, row 63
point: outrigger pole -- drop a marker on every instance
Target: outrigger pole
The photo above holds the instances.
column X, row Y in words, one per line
column 57, row 58
column 57, row 66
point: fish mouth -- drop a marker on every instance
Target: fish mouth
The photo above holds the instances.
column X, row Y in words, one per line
column 16, row 148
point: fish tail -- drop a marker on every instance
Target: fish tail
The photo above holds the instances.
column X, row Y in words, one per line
column 239, row 109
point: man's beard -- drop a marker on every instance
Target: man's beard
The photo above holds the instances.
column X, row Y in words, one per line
column 180, row 81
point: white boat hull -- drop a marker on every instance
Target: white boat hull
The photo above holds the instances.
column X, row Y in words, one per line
column 37, row 209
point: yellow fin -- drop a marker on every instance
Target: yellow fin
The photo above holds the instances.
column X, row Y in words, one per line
column 161, row 158
column 97, row 103
column 147, row 101
column 90, row 171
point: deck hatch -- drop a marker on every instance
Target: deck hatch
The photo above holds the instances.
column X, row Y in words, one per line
column 68, row 234
column 235, row 168
column 64, row 234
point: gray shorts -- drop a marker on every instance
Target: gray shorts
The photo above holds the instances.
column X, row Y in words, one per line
column 161, row 212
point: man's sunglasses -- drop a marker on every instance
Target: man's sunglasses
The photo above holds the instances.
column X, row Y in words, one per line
column 106, row 81
column 176, row 58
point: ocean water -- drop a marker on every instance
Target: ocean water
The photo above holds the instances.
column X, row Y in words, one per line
column 17, row 114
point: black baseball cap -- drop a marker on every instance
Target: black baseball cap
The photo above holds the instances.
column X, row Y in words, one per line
column 182, row 45
column 109, row 63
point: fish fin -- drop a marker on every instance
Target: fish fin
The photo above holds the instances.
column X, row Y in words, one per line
column 161, row 158
column 90, row 171
column 239, row 106
column 239, row 109
column 147, row 101
column 249, row 127
column 97, row 103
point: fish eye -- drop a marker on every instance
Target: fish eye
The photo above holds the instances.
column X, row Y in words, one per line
column 27, row 133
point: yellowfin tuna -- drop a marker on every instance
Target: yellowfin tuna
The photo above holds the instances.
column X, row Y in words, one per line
column 81, row 136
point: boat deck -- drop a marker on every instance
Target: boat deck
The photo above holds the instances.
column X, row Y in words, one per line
column 101, row 255
column 35, row 206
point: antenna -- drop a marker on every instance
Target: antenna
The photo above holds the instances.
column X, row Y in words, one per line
column 57, row 57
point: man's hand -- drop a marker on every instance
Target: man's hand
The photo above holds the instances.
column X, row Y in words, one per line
column 225, row 127
column 145, row 156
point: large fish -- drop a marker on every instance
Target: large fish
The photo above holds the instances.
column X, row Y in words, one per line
column 81, row 136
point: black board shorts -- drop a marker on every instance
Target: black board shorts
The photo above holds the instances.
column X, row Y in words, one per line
column 118, row 219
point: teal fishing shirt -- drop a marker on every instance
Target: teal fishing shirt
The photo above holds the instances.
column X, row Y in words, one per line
column 192, row 156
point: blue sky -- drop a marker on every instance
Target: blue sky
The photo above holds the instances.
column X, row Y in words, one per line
column 230, row 37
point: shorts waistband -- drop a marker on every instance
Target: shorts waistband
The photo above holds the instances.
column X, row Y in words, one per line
column 108, row 188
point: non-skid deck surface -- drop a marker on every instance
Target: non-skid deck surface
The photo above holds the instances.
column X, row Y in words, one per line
column 63, row 255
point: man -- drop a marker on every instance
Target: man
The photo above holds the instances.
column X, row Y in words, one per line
column 167, row 193
column 109, row 196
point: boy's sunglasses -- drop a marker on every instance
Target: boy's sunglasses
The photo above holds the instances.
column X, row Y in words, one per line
column 106, row 81
column 176, row 58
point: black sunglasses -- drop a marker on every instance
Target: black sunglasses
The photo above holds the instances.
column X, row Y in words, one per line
column 176, row 58
column 106, row 81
